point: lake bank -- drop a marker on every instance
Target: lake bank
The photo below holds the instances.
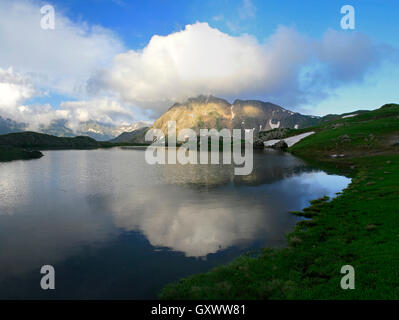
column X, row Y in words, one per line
column 358, row 228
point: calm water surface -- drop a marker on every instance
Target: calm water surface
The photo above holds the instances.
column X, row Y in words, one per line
column 115, row 227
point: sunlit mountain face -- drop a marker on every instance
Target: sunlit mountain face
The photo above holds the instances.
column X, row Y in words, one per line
column 207, row 112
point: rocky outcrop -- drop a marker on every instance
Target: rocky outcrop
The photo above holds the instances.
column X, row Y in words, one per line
column 206, row 112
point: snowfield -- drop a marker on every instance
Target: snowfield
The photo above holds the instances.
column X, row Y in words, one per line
column 289, row 141
column 349, row 115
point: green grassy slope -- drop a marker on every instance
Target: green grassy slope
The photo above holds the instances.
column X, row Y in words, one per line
column 368, row 133
column 359, row 228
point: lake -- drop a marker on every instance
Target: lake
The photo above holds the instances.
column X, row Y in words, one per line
column 115, row 227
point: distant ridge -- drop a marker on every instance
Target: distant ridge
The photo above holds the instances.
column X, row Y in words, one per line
column 94, row 129
column 36, row 140
column 136, row 136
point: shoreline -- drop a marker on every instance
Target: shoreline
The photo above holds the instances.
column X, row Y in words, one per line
column 357, row 228
column 272, row 269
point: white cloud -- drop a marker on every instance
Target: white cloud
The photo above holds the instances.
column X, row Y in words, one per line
column 196, row 60
column 103, row 110
column 287, row 68
column 247, row 10
column 15, row 89
column 61, row 59
column 204, row 60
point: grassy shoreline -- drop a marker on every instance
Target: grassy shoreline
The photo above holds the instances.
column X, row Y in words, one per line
column 359, row 228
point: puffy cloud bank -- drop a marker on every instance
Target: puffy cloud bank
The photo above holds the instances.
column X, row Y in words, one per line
column 15, row 89
column 288, row 67
column 80, row 61
column 61, row 59
column 36, row 62
column 103, row 110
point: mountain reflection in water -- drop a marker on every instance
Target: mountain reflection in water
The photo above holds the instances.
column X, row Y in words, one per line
column 104, row 206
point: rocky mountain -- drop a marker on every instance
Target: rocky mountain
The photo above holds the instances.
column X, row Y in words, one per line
column 105, row 132
column 136, row 136
column 212, row 112
column 93, row 129
column 57, row 128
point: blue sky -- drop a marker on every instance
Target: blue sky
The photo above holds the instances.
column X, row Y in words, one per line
column 128, row 26
column 137, row 21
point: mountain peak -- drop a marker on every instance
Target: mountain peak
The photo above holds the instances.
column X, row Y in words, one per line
column 201, row 99
column 260, row 103
column 207, row 111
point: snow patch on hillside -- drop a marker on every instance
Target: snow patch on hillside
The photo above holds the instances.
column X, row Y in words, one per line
column 274, row 126
column 289, row 141
column 349, row 115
